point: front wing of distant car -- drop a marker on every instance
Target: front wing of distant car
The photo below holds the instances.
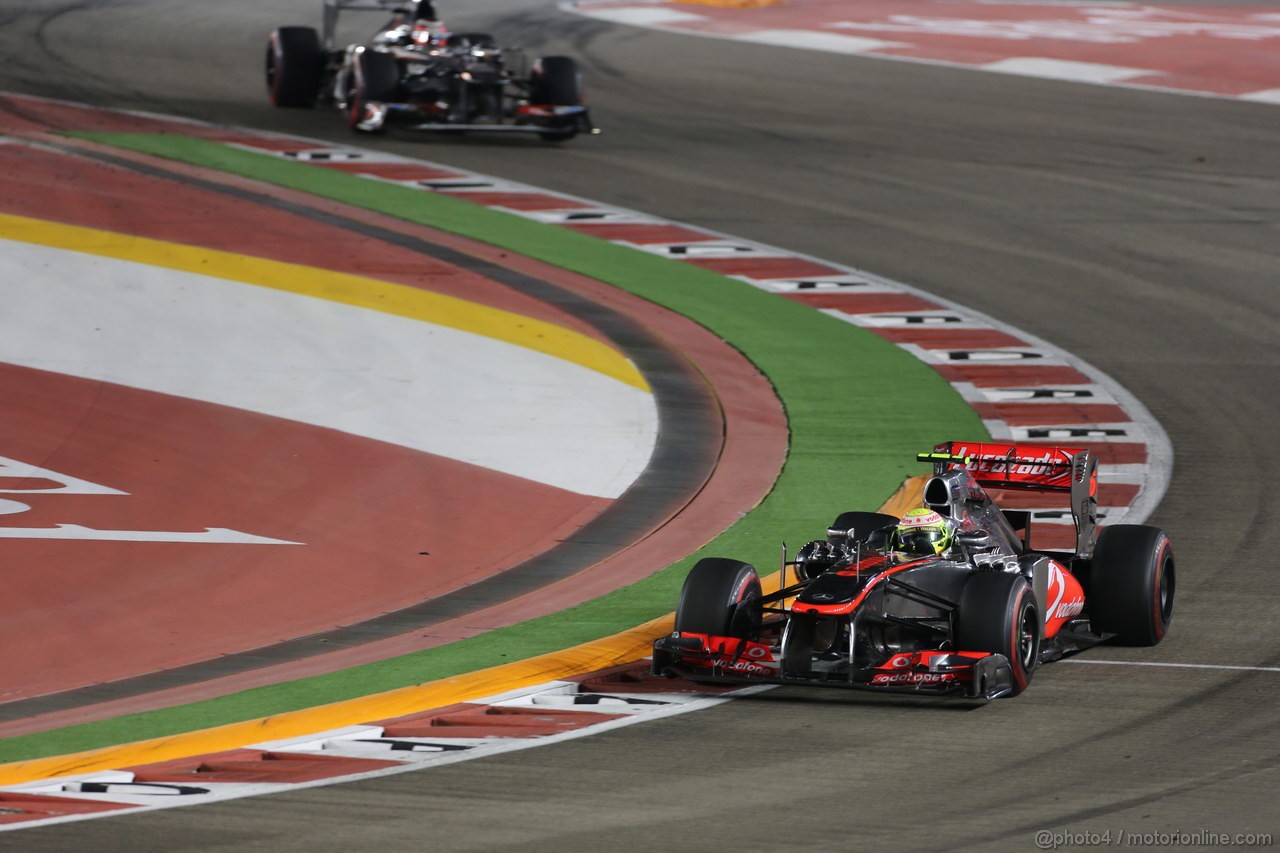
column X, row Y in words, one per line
column 730, row 660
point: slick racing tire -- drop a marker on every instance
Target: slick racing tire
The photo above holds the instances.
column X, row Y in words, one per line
column 998, row 613
column 862, row 524
column 295, row 67
column 375, row 77
column 1132, row 584
column 555, row 81
column 720, row 597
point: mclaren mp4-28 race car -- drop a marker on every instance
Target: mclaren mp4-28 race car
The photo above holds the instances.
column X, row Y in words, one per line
column 950, row 600
column 415, row 73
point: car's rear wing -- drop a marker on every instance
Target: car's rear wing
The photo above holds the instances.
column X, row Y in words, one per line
column 332, row 8
column 1031, row 468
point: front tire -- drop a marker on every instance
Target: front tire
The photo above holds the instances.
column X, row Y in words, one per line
column 556, row 82
column 720, row 597
column 998, row 613
column 375, row 77
column 1132, row 584
column 294, row 66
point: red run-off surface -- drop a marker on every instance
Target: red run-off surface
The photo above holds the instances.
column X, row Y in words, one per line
column 379, row 526
column 1225, row 50
column 382, row 526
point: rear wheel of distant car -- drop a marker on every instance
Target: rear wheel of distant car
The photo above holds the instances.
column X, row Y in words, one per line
column 1132, row 584
column 295, row 66
column 375, row 78
column 556, row 82
column 720, row 597
column 997, row 613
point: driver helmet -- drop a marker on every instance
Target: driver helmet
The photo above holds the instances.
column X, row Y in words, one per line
column 923, row 533
column 427, row 28
column 426, row 33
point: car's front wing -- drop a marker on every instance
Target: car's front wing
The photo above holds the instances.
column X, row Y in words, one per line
column 729, row 660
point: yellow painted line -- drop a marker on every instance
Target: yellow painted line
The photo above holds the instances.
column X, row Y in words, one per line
column 397, row 299
column 621, row 648
column 627, row 647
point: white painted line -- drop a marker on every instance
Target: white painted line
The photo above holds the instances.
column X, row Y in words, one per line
column 1265, row 96
column 18, row 471
column 711, row 248
column 821, row 285
column 1122, row 473
column 215, row 535
column 912, row 320
column 1062, row 69
column 1221, row 666
column 591, row 216
column 1071, row 394
column 813, row 40
column 645, row 16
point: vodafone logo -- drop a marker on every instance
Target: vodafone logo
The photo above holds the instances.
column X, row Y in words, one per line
column 1058, row 608
column 1042, row 466
column 913, row 678
column 741, row 666
column 1068, row 609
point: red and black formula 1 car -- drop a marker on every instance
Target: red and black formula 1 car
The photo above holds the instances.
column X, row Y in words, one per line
column 973, row 621
column 415, row 73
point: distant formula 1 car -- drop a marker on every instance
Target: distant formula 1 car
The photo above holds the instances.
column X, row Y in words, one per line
column 973, row 621
column 416, row 73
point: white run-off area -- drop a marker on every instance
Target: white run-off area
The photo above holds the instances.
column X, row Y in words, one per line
column 408, row 382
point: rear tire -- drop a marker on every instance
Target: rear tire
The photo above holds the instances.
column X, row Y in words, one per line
column 295, row 67
column 998, row 613
column 717, row 599
column 1132, row 584
column 376, row 77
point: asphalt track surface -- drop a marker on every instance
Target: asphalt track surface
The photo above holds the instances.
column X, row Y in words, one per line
column 1139, row 230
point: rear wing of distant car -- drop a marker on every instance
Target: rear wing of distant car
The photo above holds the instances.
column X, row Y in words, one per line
column 332, row 8
column 1072, row 470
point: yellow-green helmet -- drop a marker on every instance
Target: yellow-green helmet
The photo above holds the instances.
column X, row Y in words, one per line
column 923, row 533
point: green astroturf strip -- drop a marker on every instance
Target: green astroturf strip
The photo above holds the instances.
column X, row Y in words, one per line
column 859, row 409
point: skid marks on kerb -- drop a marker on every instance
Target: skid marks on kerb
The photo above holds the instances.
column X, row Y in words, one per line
column 548, row 713
column 1024, row 388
